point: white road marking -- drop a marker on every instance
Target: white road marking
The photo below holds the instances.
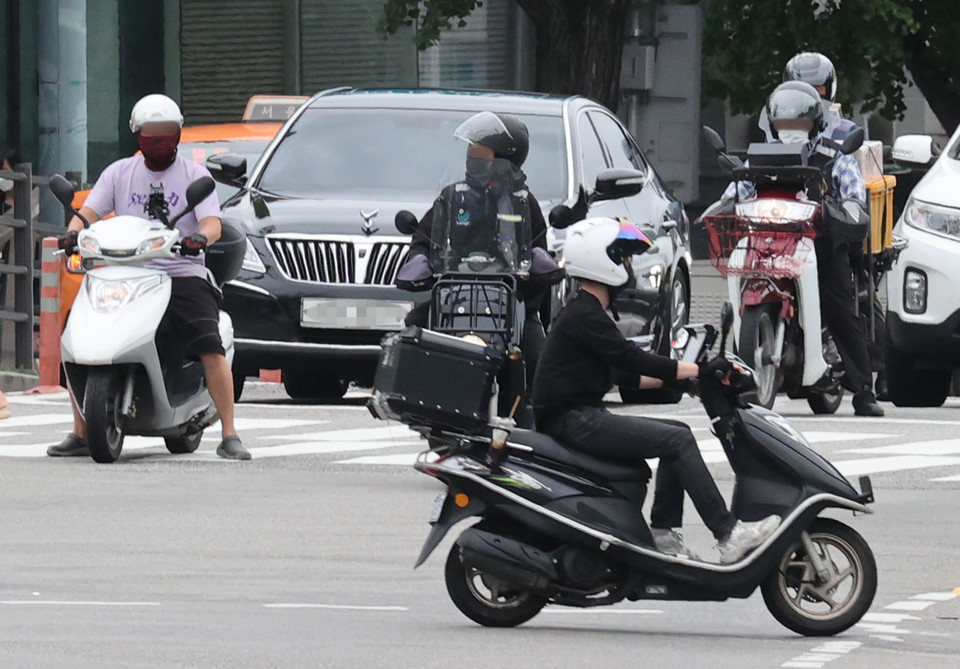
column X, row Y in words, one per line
column 360, row 434
column 936, row 596
column 50, row 602
column 937, row 447
column 819, row 656
column 335, row 607
column 394, row 459
column 251, row 424
column 8, row 435
column 892, row 464
column 37, row 420
column 909, row 605
column 947, row 479
column 319, row 447
column 888, row 617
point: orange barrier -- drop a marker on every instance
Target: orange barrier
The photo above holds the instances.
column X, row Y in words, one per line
column 270, row 375
column 50, row 321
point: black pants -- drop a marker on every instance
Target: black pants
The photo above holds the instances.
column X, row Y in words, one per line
column 838, row 309
column 633, row 439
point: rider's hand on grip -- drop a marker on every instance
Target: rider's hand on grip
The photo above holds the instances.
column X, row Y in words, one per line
column 68, row 242
column 193, row 245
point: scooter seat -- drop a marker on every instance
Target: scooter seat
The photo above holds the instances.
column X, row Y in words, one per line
column 550, row 449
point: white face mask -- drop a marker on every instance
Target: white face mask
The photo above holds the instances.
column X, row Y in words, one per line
column 6, row 185
column 793, row 136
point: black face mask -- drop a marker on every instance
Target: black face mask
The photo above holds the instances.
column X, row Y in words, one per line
column 480, row 170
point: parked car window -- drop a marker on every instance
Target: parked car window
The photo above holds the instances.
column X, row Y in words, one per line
column 621, row 148
column 591, row 152
column 408, row 152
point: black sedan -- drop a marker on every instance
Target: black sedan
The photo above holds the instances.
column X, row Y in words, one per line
column 317, row 292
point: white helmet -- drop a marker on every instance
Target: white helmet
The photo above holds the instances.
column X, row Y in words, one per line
column 155, row 108
column 595, row 248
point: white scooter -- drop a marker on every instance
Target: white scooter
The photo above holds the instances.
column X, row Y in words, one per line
column 124, row 379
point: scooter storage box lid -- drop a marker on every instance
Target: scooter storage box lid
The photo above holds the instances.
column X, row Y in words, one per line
column 429, row 378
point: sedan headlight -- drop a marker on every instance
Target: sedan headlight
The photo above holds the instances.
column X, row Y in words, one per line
column 933, row 218
column 108, row 296
column 773, row 211
column 251, row 260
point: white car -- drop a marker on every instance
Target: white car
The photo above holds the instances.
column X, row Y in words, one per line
column 923, row 302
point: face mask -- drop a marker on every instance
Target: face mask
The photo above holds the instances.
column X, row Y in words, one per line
column 6, row 185
column 159, row 152
column 480, row 169
column 794, row 136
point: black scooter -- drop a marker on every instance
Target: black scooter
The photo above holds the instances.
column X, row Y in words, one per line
column 560, row 527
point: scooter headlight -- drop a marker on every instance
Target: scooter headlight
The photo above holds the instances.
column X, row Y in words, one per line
column 774, row 211
column 108, row 296
column 89, row 243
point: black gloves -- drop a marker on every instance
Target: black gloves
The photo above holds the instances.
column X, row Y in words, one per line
column 193, row 245
column 68, row 242
column 716, row 369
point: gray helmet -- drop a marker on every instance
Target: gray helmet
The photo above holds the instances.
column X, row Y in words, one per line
column 795, row 100
column 814, row 69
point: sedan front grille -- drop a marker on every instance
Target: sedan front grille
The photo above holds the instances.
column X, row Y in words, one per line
column 386, row 259
column 339, row 261
column 315, row 260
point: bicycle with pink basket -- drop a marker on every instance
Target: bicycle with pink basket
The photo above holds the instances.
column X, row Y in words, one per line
column 764, row 247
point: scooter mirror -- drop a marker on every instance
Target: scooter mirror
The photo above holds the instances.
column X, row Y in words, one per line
column 561, row 217
column 714, row 140
column 62, row 190
column 852, row 142
column 726, row 317
column 199, row 191
column 405, row 222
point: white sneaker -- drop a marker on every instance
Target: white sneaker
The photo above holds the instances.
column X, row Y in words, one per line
column 744, row 537
column 671, row 542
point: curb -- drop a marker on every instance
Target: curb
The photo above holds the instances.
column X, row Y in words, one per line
column 12, row 382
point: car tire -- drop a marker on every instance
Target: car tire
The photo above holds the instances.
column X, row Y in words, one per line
column 912, row 387
column 239, row 379
column 313, row 384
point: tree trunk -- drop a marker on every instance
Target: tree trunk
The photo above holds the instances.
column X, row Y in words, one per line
column 579, row 45
column 934, row 83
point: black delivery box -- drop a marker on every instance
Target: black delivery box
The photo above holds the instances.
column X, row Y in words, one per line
column 429, row 378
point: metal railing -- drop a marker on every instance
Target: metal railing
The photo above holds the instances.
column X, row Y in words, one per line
column 21, row 265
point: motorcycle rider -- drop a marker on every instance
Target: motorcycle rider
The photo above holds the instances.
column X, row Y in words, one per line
column 818, row 71
column 494, row 182
column 795, row 115
column 135, row 186
column 577, row 368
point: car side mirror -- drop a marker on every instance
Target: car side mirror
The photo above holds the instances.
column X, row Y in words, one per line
column 199, row 190
column 617, row 183
column 561, row 217
column 714, row 140
column 405, row 222
column 63, row 190
column 917, row 149
column 852, row 142
column 228, row 168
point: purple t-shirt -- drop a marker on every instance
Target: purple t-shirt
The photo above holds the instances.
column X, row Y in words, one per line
column 124, row 188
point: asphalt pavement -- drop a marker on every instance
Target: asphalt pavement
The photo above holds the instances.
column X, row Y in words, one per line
column 303, row 557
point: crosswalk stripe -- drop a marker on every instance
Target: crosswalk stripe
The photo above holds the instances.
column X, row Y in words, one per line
column 937, row 447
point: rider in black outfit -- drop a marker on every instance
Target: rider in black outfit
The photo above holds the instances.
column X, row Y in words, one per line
column 585, row 351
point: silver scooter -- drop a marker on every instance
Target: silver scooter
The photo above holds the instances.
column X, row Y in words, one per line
column 126, row 380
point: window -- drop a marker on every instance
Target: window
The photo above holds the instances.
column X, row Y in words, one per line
column 591, row 153
column 622, row 150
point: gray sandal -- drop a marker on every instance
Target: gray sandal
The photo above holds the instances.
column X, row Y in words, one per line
column 71, row 446
column 232, row 448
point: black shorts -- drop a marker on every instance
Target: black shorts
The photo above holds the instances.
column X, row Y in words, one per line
column 193, row 316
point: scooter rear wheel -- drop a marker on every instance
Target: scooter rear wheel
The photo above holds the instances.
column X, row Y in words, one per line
column 487, row 600
column 804, row 603
column 101, row 410
column 187, row 444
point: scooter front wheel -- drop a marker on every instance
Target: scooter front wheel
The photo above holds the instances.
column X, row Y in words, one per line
column 756, row 345
column 101, row 409
column 485, row 599
column 803, row 601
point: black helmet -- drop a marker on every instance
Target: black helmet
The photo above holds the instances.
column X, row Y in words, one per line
column 505, row 134
column 814, row 69
column 795, row 100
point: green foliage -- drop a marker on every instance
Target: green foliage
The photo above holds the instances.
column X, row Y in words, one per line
column 429, row 17
column 746, row 46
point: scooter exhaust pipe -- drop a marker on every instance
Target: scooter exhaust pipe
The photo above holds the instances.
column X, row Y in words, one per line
column 507, row 559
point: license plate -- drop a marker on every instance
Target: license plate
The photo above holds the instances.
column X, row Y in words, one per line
column 350, row 314
column 437, row 508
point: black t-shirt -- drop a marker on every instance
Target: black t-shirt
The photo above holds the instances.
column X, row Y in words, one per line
column 582, row 355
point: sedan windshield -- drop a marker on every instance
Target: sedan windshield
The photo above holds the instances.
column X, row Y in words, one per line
column 396, row 154
column 198, row 152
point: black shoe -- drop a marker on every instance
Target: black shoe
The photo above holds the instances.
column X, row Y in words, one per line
column 865, row 404
column 71, row 446
column 883, row 392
